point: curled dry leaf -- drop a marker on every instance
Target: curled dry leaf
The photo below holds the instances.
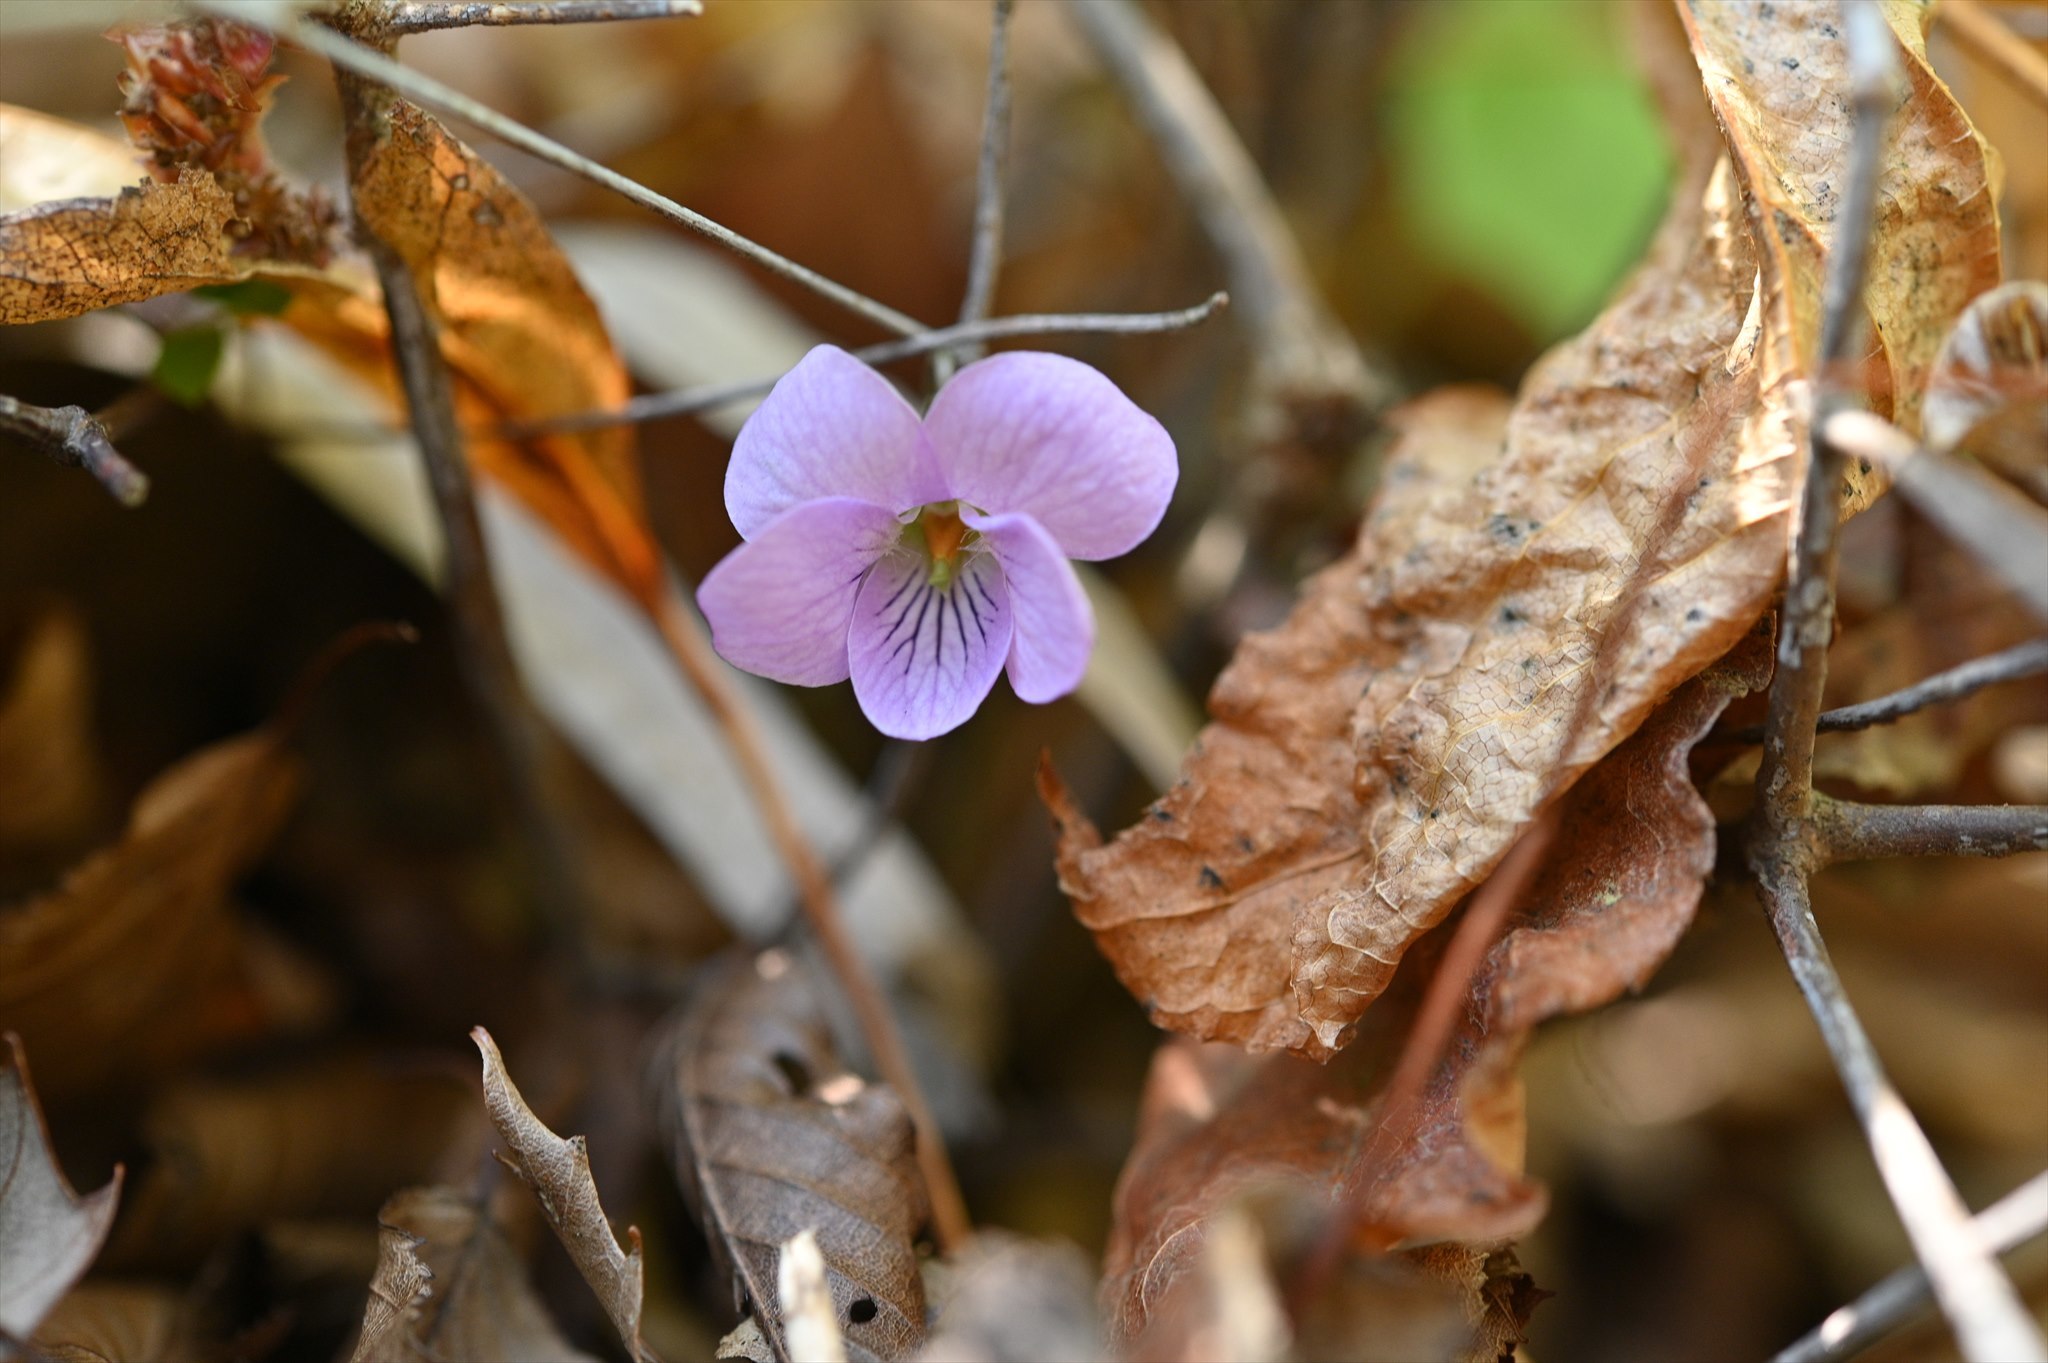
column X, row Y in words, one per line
column 1602, row 915
column 558, row 1171
column 48, row 1234
column 448, row 1286
column 1988, row 393
column 773, row 1137
column 51, row 784
column 136, row 959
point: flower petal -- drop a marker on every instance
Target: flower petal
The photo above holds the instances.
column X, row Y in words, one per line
column 832, row 427
column 1051, row 437
column 779, row 604
column 923, row 656
column 1055, row 624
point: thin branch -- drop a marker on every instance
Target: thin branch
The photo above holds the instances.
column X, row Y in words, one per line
column 2003, row 529
column 486, row 651
column 706, row 671
column 682, row 402
column 405, row 17
column 1974, row 26
column 1982, row 1307
column 1846, row 830
column 2004, row 1226
column 71, row 436
column 986, row 257
column 364, row 61
column 2012, row 664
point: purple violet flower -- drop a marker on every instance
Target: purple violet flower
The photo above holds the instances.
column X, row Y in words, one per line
column 923, row 557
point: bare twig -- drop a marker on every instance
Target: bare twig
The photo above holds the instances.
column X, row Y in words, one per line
column 2012, row 664
column 486, row 651
column 1298, row 346
column 1974, row 26
column 1845, row 830
column 986, row 257
column 70, row 435
column 425, row 16
column 655, row 406
column 1982, row 1307
column 1998, row 524
column 694, row 655
column 367, row 62
column 2005, row 1225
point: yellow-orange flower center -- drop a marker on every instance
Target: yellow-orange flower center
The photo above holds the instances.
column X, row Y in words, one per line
column 945, row 535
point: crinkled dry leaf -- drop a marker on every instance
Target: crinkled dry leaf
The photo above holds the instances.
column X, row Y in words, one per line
column 331, row 1138
column 136, row 959
column 51, row 784
column 1988, row 393
column 448, row 1286
column 772, row 1137
column 558, row 1171
column 48, row 1234
column 1603, row 914
column 519, row 327
column 1004, row 1298
column 117, row 1322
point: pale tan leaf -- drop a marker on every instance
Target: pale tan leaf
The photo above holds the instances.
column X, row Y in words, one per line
column 448, row 1286
column 558, row 1171
column 773, row 1137
column 51, row 783
column 1008, row 1299
column 48, row 1234
column 1988, row 394
column 117, row 1322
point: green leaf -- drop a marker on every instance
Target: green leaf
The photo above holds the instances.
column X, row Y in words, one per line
column 1526, row 153
column 186, row 365
column 249, row 297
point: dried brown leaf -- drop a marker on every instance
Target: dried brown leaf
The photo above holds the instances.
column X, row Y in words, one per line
column 117, row 1322
column 51, row 783
column 1988, row 394
column 136, row 959
column 518, row 325
column 558, row 1171
column 1602, row 915
column 772, row 1136
column 448, row 1286
column 48, row 1234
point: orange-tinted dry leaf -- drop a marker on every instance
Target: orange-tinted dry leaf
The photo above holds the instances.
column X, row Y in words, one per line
column 1604, row 913
column 116, row 1322
column 558, row 1171
column 51, row 784
column 332, row 1138
column 772, row 1136
column 518, row 326
column 48, row 1234
column 448, row 1286
column 1988, row 394
column 1777, row 76
column 137, row 959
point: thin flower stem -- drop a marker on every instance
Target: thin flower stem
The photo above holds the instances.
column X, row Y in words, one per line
column 1974, row 26
column 1980, row 1302
column 365, row 61
column 2004, row 1226
column 693, row 654
column 2012, row 664
column 71, row 435
column 406, row 17
column 682, row 402
column 986, row 256
column 1848, row 831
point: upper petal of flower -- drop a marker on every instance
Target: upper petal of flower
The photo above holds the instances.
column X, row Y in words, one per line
column 779, row 604
column 924, row 656
column 1055, row 624
column 832, row 427
column 1051, row 437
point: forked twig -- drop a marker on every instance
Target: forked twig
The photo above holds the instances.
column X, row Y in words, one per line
column 353, row 56
column 2012, row 664
column 1981, row 1304
column 404, row 17
column 682, row 402
column 2003, row 1226
column 1844, row 830
column 70, row 435
column 985, row 258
